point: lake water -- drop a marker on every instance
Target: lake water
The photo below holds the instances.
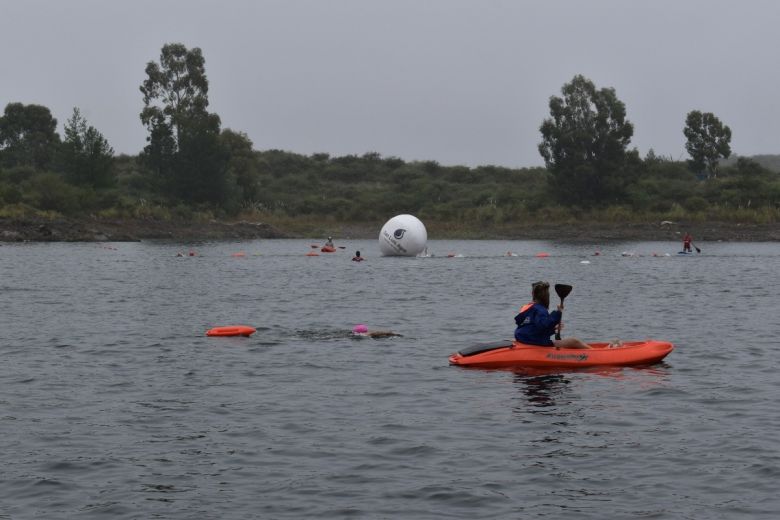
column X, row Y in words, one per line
column 114, row 404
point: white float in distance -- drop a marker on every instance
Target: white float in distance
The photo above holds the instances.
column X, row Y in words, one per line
column 403, row 235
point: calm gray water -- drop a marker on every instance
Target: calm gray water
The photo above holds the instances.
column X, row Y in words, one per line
column 115, row 405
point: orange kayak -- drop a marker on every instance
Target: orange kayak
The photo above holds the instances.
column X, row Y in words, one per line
column 512, row 353
column 328, row 249
column 233, row 330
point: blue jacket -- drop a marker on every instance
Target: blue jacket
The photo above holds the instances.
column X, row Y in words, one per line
column 535, row 325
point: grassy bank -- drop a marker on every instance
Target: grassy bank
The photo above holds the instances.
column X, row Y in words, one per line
column 551, row 223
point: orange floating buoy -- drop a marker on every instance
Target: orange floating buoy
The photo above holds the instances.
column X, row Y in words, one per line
column 232, row 330
column 542, row 255
column 238, row 255
column 312, row 253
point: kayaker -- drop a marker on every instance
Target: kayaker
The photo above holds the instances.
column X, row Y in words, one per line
column 535, row 324
column 329, row 243
column 357, row 257
column 687, row 239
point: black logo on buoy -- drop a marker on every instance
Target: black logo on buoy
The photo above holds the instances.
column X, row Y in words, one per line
column 399, row 233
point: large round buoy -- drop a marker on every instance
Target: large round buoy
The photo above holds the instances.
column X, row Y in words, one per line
column 403, row 235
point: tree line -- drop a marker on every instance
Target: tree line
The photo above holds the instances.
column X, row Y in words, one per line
column 192, row 167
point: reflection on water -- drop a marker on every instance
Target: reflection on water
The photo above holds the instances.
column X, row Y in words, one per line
column 548, row 387
column 542, row 391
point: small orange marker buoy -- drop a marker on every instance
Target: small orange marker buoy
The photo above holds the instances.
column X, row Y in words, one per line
column 238, row 255
column 542, row 255
column 232, row 330
column 312, row 253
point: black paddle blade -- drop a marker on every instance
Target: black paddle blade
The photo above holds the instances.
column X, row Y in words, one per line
column 562, row 290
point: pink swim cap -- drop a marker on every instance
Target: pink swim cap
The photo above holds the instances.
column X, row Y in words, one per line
column 360, row 329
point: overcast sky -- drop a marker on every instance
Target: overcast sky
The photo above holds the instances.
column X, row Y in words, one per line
column 456, row 81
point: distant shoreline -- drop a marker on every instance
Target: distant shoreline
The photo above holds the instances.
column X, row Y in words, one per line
column 128, row 230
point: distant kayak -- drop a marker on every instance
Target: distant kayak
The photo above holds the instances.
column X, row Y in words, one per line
column 511, row 353
column 232, row 330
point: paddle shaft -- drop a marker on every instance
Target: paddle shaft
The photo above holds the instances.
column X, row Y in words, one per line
column 563, row 291
column 558, row 330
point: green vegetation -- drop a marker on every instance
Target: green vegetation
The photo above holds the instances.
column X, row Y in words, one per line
column 584, row 145
column 192, row 169
column 709, row 140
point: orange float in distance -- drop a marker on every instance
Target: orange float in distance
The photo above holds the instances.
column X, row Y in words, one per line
column 232, row 330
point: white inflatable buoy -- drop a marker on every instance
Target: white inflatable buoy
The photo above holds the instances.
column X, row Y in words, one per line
column 403, row 235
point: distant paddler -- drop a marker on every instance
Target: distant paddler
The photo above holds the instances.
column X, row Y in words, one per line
column 688, row 242
column 329, row 247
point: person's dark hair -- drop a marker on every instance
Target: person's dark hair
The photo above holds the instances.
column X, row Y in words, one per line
column 541, row 293
column 357, row 253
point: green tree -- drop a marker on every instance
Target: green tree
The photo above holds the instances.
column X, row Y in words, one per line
column 584, row 144
column 709, row 140
column 242, row 165
column 183, row 143
column 87, row 158
column 28, row 136
column 201, row 162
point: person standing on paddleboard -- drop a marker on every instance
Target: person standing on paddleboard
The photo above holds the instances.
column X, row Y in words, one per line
column 535, row 324
column 687, row 240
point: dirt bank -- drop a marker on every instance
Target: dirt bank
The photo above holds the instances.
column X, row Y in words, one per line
column 88, row 230
column 67, row 230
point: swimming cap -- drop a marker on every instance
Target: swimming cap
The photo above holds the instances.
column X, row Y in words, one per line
column 360, row 329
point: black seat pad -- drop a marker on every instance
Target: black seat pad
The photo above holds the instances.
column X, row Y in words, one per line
column 484, row 347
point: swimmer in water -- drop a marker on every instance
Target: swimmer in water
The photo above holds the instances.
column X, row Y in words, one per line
column 362, row 330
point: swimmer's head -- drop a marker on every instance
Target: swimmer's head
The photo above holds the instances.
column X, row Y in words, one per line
column 360, row 329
